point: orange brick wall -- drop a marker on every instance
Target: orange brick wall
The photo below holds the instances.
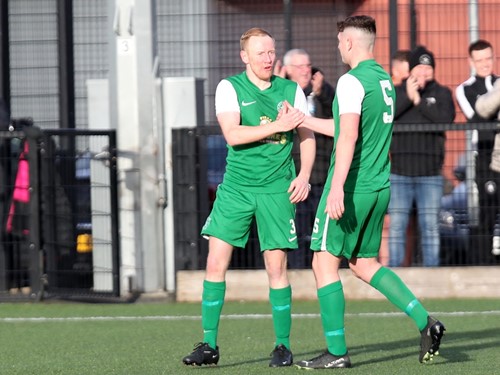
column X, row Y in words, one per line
column 443, row 27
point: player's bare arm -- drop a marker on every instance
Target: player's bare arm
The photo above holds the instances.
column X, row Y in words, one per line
column 300, row 187
column 348, row 135
column 319, row 125
column 236, row 134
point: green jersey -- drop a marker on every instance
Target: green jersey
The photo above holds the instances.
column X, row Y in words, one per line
column 265, row 166
column 367, row 90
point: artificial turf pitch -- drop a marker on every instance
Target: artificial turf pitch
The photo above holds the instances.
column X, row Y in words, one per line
column 151, row 338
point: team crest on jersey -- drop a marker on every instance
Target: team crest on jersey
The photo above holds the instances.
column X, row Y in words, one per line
column 279, row 107
column 278, row 138
column 264, row 120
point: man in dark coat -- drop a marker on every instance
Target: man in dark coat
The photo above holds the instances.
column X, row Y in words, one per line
column 417, row 158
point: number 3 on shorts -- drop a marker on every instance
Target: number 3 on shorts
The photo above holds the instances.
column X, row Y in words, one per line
column 292, row 227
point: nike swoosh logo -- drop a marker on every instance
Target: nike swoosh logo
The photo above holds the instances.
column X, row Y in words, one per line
column 244, row 104
column 292, row 239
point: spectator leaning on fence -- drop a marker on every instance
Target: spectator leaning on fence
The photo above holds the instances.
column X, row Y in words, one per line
column 260, row 183
column 417, row 158
column 488, row 105
column 476, row 98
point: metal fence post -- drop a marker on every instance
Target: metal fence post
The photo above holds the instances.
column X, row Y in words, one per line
column 34, row 238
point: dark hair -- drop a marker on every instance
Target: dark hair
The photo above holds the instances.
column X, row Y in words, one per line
column 401, row 55
column 479, row 45
column 365, row 23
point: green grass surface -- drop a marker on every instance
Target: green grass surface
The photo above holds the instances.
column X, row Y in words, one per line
column 151, row 338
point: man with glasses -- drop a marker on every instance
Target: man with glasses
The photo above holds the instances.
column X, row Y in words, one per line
column 320, row 94
column 297, row 67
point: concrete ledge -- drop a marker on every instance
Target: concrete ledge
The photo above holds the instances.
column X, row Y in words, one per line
column 444, row 282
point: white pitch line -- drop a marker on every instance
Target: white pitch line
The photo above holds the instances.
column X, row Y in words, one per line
column 229, row 316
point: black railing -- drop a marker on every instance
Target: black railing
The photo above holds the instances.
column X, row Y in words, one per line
column 463, row 242
column 54, row 202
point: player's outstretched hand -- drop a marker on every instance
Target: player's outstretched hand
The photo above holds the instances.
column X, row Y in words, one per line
column 288, row 118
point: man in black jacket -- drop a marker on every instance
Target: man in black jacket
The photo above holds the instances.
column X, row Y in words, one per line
column 481, row 61
column 417, row 158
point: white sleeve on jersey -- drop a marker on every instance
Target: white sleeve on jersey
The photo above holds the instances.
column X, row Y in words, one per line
column 226, row 99
column 301, row 101
column 350, row 94
column 463, row 102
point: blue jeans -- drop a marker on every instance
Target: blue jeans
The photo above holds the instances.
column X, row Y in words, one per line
column 426, row 192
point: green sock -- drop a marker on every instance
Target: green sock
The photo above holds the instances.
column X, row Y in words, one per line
column 281, row 304
column 396, row 291
column 332, row 307
column 211, row 306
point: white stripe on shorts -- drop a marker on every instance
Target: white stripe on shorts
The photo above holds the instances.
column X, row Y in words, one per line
column 325, row 232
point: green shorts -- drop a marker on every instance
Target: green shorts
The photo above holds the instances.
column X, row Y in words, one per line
column 358, row 233
column 233, row 212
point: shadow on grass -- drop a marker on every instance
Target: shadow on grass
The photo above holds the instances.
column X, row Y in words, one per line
column 455, row 348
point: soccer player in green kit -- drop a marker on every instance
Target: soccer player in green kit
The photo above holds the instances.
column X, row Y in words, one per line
column 351, row 211
column 259, row 183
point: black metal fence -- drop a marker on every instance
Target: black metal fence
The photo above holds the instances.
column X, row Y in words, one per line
column 466, row 239
column 59, row 221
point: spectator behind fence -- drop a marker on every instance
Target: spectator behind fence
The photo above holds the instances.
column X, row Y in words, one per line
column 400, row 66
column 259, row 184
column 454, row 220
column 400, row 70
column 297, row 67
column 417, row 158
column 469, row 96
column 488, row 105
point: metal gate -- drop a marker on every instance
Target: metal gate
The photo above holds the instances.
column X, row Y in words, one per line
column 59, row 213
